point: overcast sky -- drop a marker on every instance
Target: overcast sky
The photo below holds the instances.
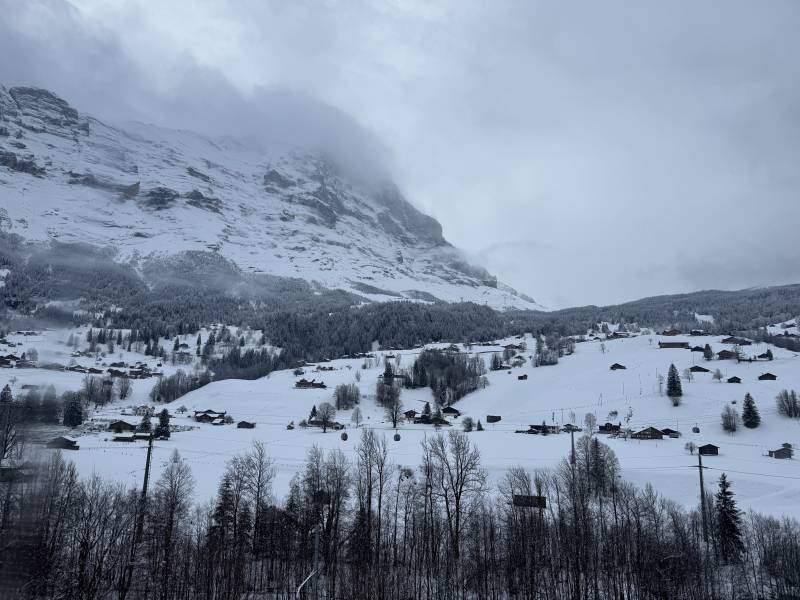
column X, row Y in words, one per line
column 593, row 153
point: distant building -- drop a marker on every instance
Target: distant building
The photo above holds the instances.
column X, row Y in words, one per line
column 734, row 379
column 410, row 414
column 120, row 426
column 783, row 452
column 767, row 377
column 671, row 332
column 63, row 443
column 708, row 450
column 492, row 418
column 609, row 428
column 304, row 384
column 650, row 433
column 245, row 425
column 617, row 367
column 451, row 412
column 680, row 345
column 698, row 369
column 726, row 355
column 523, row 377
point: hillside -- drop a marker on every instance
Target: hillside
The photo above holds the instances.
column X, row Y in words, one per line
column 581, row 383
column 150, row 197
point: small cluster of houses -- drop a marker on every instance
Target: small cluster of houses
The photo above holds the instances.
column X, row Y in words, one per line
column 435, row 420
column 220, row 418
column 10, row 361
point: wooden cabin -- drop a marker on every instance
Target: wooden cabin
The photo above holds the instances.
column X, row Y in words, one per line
column 767, row 377
column 649, row 433
column 708, row 450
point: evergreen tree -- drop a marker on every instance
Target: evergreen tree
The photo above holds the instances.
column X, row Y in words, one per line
column 6, row 395
column 426, row 410
column 497, row 362
column 479, row 427
column 769, row 354
column 313, row 414
column 708, row 353
column 73, row 409
column 750, row 416
column 162, row 429
column 729, row 522
column 145, row 426
column 674, row 389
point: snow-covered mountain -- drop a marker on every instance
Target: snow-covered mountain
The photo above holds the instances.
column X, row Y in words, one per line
column 151, row 192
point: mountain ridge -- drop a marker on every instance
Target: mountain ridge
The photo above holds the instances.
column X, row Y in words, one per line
column 151, row 192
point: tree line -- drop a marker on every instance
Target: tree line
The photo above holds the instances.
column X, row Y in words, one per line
column 375, row 529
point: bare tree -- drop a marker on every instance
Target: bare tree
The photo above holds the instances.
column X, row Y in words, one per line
column 394, row 410
column 356, row 416
column 455, row 476
column 123, row 385
column 325, row 415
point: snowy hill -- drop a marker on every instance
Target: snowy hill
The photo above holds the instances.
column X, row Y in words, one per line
column 580, row 384
column 153, row 192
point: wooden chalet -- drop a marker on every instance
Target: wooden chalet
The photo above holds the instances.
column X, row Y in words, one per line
column 677, row 345
column 767, row 377
column 410, row 414
column 698, row 349
column 784, row 452
column 63, row 443
column 569, row 428
column 493, row 418
column 671, row 332
column 305, row 384
column 121, row 426
column 245, row 425
column 512, row 347
column 699, row 369
column 708, row 450
column 207, row 416
column 672, row 433
column 727, row 355
column 451, row 411
column 522, row 377
column 650, row 433
column 124, row 437
column 617, row 367
column 734, row 379
column 609, row 428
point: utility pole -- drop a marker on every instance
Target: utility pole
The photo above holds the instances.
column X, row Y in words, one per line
column 139, row 526
column 572, row 458
column 702, row 497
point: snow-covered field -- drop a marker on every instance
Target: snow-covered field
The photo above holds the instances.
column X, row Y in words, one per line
column 579, row 384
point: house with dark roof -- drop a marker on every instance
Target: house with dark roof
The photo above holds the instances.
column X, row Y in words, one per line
column 649, row 433
column 410, row 414
column 63, row 443
column 617, row 367
column 246, row 425
column 609, row 428
column 726, row 355
column 671, row 332
column 451, row 412
column 698, row 369
column 708, row 450
column 783, row 452
column 677, row 345
column 120, row 426
column 734, row 379
column 767, row 377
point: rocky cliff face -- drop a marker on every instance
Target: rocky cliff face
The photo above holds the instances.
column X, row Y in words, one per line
column 151, row 193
